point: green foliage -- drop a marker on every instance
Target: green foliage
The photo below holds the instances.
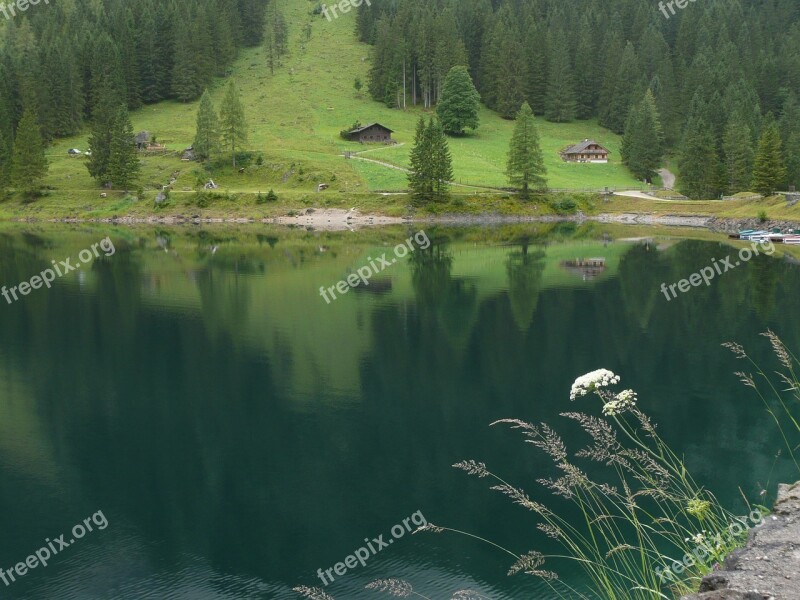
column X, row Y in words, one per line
column 431, row 164
column 525, row 168
column 699, row 163
column 345, row 133
column 207, row 137
column 762, row 216
column 458, row 107
column 565, row 206
column 123, row 163
column 233, row 123
column 769, row 170
column 560, row 105
column 28, row 161
column 271, row 196
column 738, row 148
column 642, row 145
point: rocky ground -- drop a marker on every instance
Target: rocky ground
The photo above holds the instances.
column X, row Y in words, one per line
column 768, row 567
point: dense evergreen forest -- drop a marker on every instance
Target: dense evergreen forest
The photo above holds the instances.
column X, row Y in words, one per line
column 721, row 71
column 65, row 60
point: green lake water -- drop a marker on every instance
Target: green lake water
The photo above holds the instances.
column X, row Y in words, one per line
column 238, row 433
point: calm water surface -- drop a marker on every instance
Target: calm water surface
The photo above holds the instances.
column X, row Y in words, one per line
column 238, row 433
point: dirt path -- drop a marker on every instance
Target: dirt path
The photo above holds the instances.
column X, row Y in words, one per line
column 668, row 178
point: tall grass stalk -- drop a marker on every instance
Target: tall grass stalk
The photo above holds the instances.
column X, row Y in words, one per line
column 786, row 415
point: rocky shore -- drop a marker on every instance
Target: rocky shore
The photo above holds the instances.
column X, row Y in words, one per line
column 768, row 567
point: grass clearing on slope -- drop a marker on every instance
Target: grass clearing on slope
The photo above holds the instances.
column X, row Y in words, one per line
column 295, row 117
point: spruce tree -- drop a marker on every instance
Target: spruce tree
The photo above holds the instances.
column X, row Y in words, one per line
column 233, row 123
column 441, row 161
column 103, row 117
column 187, row 79
column 738, row 148
column 642, row 145
column 123, row 163
column 699, row 163
column 793, row 160
column 419, row 178
column 206, row 139
column 28, row 161
column 5, row 162
column 460, row 102
column 560, row 105
column 525, row 168
column 769, row 170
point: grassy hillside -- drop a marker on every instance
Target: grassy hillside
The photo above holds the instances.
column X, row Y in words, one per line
column 295, row 117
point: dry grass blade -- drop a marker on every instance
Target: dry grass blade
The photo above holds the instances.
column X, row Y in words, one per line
column 473, row 468
column 529, row 563
column 737, row 349
column 779, row 348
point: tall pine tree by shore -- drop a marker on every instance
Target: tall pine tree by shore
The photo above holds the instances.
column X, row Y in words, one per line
column 431, row 164
column 28, row 161
column 525, row 168
column 233, row 123
column 206, row 139
column 5, row 162
column 123, row 164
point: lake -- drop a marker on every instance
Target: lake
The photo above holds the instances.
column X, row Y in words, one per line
column 226, row 433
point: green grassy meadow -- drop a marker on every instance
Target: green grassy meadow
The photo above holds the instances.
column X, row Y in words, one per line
column 295, row 117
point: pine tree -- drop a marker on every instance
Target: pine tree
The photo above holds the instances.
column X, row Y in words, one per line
column 123, row 163
column 187, row 79
column 642, row 145
column 5, row 163
column 28, row 161
column 420, row 159
column 738, row 148
column 525, row 167
column 103, row 116
column 233, row 123
column 769, row 170
column 441, row 161
column 460, row 102
column 206, row 139
column 560, row 105
column 431, row 164
column 793, row 160
column 699, row 163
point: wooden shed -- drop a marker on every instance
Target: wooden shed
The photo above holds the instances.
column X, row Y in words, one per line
column 372, row 133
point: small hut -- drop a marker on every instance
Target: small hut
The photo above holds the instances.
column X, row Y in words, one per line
column 374, row 132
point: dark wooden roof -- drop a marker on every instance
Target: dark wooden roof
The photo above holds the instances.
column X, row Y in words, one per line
column 365, row 127
column 581, row 148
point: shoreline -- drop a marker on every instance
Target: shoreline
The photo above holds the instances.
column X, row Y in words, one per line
column 337, row 220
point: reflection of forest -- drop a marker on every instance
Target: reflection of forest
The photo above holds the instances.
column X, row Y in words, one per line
column 190, row 369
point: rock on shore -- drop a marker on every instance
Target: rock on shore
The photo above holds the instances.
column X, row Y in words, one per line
column 768, row 567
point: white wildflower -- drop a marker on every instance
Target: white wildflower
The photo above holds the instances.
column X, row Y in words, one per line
column 592, row 381
column 621, row 402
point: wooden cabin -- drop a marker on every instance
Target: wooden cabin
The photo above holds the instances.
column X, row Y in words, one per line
column 372, row 133
column 587, row 151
